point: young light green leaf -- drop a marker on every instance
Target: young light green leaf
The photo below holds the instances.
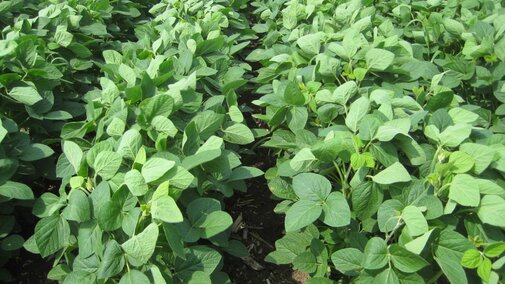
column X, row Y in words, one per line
column 357, row 111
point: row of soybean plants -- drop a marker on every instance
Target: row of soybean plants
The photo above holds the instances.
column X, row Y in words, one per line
column 130, row 107
column 387, row 122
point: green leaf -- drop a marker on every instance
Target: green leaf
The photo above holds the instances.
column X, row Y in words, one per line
column 389, row 214
column 484, row 270
column 405, row 260
column 310, row 43
column 78, row 208
column 359, row 108
column 238, row 134
column 491, row 210
column 12, row 243
column 16, row 190
column 293, row 95
column 35, row 151
column 136, row 183
column 348, row 261
column 164, row 125
column 302, row 214
column 110, row 215
column 414, row 220
column 387, row 276
column 461, row 162
column 140, row 248
column 494, row 249
column 440, row 100
column 309, row 186
column 128, row 74
column 134, row 277
column 305, row 262
column 107, row 164
column 26, row 95
column 165, row 209
column 215, row 223
column 73, row 153
column 113, row 261
column 482, row 155
column 454, row 135
column 392, row 174
column 130, row 144
column 472, row 258
column 464, row 190
column 155, row 168
column 375, row 254
column 51, row 234
column 390, row 129
column 379, row 59
column 302, row 160
column 336, row 211
column 452, row 270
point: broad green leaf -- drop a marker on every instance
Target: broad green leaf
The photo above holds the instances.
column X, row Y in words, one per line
column 107, row 164
column 73, row 153
column 165, row 209
column 454, row 135
column 390, row 129
column 336, row 211
column 155, row 168
column 359, row 108
column 136, row 183
column 472, row 258
column 128, row 74
column 140, row 248
column 113, row 261
column 482, row 155
column 452, row 270
column 293, row 95
column 494, row 249
column 344, row 92
column 310, row 43
column 16, row 190
column 215, row 223
column 130, row 144
column 302, row 214
column 414, row 220
column 348, row 261
column 464, row 190
column 26, row 95
column 305, row 262
column 35, row 151
column 379, row 59
column 392, row 174
column 484, row 269
column 405, row 260
column 387, row 276
column 375, row 254
column 51, row 234
column 238, row 134
column 302, row 160
column 461, row 162
column 134, row 277
column 309, row 186
column 491, row 209
column 78, row 208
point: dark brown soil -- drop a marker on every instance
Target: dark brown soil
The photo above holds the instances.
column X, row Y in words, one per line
column 258, row 230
